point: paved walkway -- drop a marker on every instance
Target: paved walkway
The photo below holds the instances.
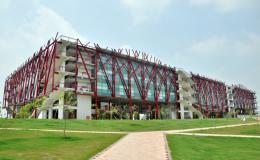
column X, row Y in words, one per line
column 207, row 128
column 61, row 130
column 218, row 135
column 152, row 145
column 135, row 146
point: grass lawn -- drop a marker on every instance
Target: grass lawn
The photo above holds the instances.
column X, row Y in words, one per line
column 244, row 130
column 213, row 148
column 51, row 145
column 116, row 125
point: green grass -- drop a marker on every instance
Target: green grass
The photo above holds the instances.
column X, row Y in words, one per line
column 243, row 130
column 51, row 145
column 213, row 148
column 115, row 125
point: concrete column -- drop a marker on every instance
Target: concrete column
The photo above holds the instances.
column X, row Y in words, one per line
column 42, row 115
column 50, row 114
column 60, row 113
column 191, row 115
column 182, row 111
column 61, row 108
column 83, row 107
column 173, row 112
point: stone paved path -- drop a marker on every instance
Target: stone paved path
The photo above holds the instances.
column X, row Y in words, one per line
column 61, row 130
column 137, row 146
column 207, row 128
column 218, row 135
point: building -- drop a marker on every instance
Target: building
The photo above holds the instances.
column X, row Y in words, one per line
column 87, row 80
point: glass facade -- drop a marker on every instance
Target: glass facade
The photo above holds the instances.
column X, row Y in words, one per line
column 105, row 63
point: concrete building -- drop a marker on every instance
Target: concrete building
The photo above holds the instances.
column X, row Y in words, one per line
column 80, row 81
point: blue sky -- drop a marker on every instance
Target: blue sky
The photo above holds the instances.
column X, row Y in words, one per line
column 216, row 38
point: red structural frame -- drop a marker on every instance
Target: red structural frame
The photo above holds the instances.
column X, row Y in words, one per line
column 210, row 95
column 136, row 67
column 244, row 98
column 32, row 78
column 35, row 77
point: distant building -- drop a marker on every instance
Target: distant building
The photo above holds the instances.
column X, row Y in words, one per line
column 85, row 80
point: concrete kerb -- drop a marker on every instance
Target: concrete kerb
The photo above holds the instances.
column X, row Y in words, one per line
column 169, row 157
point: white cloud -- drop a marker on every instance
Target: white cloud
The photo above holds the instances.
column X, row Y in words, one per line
column 21, row 40
column 4, row 5
column 226, row 5
column 213, row 45
column 247, row 45
column 45, row 25
column 233, row 60
column 144, row 10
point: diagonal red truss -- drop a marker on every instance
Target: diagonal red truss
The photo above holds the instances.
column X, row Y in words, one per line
column 31, row 79
column 210, row 94
column 244, row 98
column 35, row 77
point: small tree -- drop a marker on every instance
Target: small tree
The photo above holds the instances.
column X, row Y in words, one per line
column 165, row 112
column 113, row 110
column 135, row 115
column 69, row 99
column 37, row 103
column 24, row 111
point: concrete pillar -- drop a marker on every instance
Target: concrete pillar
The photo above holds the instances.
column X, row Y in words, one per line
column 84, row 106
column 60, row 113
column 173, row 112
column 191, row 115
column 42, row 115
column 50, row 114
column 61, row 108
column 182, row 111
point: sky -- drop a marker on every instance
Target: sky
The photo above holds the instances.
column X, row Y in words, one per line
column 216, row 38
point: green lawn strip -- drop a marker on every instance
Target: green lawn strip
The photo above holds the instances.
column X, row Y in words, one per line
column 241, row 130
column 52, row 145
column 213, row 148
column 116, row 125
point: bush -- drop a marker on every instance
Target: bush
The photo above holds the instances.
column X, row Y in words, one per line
column 25, row 111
